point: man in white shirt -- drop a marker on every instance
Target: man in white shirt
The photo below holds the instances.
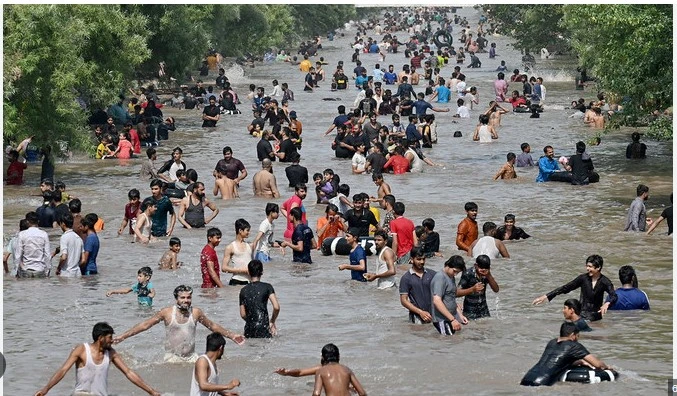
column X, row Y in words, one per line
column 70, row 248
column 31, row 253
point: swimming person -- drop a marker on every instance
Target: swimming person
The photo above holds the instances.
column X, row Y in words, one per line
column 143, row 288
column 333, row 377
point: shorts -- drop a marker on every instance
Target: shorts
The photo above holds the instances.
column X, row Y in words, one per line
column 415, row 319
column 91, row 272
column 404, row 260
column 235, row 282
column 262, row 257
column 444, row 327
column 30, row 273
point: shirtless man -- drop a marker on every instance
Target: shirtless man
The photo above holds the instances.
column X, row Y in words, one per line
column 92, row 362
column 192, row 208
column 507, row 171
column 333, row 377
column 596, row 120
column 383, row 189
column 180, row 322
column 265, row 184
column 494, row 112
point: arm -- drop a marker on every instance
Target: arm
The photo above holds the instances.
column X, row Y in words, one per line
column 276, row 312
column 206, row 322
column 227, row 255
column 123, row 225
column 137, row 232
column 131, row 375
column 359, row 267
column 273, row 188
column 242, row 176
column 142, row 326
column 213, row 274
column 389, row 257
column 654, row 225
column 317, row 389
column 476, row 134
column 502, row 249
column 611, row 292
column 182, row 211
column 425, row 316
column 494, row 135
column 72, row 359
column 119, row 291
column 590, row 358
column 439, row 109
column 441, row 308
column 213, row 207
column 500, row 173
column 573, row 285
column 297, row 372
column 172, row 223
column 492, row 282
column 356, row 384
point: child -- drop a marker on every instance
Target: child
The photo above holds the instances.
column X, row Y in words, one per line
column 264, row 238
column 502, row 67
column 104, row 149
column 463, row 111
column 209, row 261
column 430, row 239
column 144, row 221
column 341, row 199
column 169, row 260
column 131, row 211
column 182, row 179
column 143, row 288
column 61, row 187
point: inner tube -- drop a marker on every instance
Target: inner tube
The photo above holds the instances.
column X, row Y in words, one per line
column 587, row 376
column 340, row 247
column 443, row 39
column 175, row 193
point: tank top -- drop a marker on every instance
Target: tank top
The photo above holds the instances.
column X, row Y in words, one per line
column 241, row 259
column 212, row 379
column 180, row 337
column 486, row 245
column 416, row 163
column 92, row 378
column 384, row 283
column 195, row 214
column 484, row 134
column 145, row 230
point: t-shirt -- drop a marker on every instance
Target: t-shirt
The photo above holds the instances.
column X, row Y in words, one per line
column 359, row 161
column 289, row 149
column 360, row 220
column 92, row 247
column 524, row 159
column 557, row 357
column 302, row 233
column 71, row 245
column 404, row 228
column 209, row 254
column 399, row 164
column 211, row 111
column 254, row 297
column 356, row 255
column 418, row 289
column 231, row 169
column 164, row 207
column 443, row 94
column 287, row 205
column 142, row 292
column 421, row 107
column 126, row 149
column 631, row 298
column 444, row 286
column 667, row 215
column 263, row 150
column 475, row 303
column 463, row 112
column 266, row 240
column 377, row 160
column 131, row 212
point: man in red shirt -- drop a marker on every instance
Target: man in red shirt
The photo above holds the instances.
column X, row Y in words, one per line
column 296, row 201
column 209, row 261
column 398, row 162
column 15, row 171
column 402, row 230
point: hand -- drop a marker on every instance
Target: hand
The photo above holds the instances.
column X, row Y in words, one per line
column 239, row 339
column 235, row 382
column 464, row 320
column 144, row 239
column 273, row 329
column 478, row 287
column 456, row 325
column 281, row 371
column 342, row 267
column 117, row 340
column 540, row 300
column 370, row 277
column 425, row 316
column 604, row 308
column 108, row 294
column 120, row 231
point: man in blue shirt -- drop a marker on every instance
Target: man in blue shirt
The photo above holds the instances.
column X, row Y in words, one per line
column 390, row 76
column 422, row 106
column 629, row 295
column 339, row 120
column 547, row 165
column 302, row 240
column 412, row 133
column 442, row 93
column 358, row 258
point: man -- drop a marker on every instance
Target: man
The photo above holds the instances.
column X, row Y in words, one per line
column 264, row 150
column 335, row 378
column 47, row 215
column 489, row 245
column 296, row 201
column 228, row 172
column 148, row 169
column 665, row 214
column 637, row 220
column 524, row 158
column 265, row 184
column 172, row 166
column 211, row 114
column 473, row 285
column 15, row 171
column 180, row 322
column 92, row 361
column 305, row 64
column 548, row 167
column 296, row 174
column 385, row 270
column 402, row 231
column 31, row 252
column 257, row 124
column 467, row 231
column 302, row 239
column 287, row 147
column 339, row 120
column 164, row 207
column 254, row 299
column 629, row 294
column 205, row 375
column 358, row 257
column 415, row 293
column 635, row 150
column 359, row 217
column 192, row 208
column 560, row 354
column 404, row 90
column 445, row 316
column 70, row 248
column 422, row 107
column 309, row 81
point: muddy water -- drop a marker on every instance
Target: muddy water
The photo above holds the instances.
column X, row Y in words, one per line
column 43, row 320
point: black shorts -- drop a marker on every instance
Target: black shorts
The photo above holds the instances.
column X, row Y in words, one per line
column 444, row 327
column 235, row 282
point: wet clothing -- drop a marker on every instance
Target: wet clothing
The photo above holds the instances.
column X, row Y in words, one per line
column 404, row 228
column 296, row 174
column 667, row 215
column 211, row 111
column 361, row 220
column 582, row 325
column 475, row 303
column 417, row 289
column 468, row 233
column 254, row 297
column 356, row 255
column 591, row 298
column 636, row 220
column 382, row 267
column 264, row 149
column 399, row 164
column 131, row 211
column 164, row 207
column 302, row 233
column 630, row 298
column 212, row 379
column 582, row 170
column 195, row 213
column 517, row 233
column 231, row 169
column 180, row 337
column 487, row 246
column 557, row 357
column 142, row 292
column 443, row 286
column 635, row 150
column 240, row 260
column 524, row 159
column 92, row 247
column 92, row 378
column 15, row 173
column 287, row 206
column 209, row 254
column 430, row 244
column 546, row 167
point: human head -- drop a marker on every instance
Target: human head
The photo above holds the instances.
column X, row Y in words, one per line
column 101, row 329
column 150, row 152
column 182, row 289
column 241, row 225
column 567, row 329
column 146, row 271
column 573, row 304
column 511, row 156
column 75, row 205
column 596, row 260
column 399, row 208
column 296, row 213
column 456, row 262
column 470, row 206
column 549, row 151
column 174, row 241
column 626, row 274
column 66, row 219
column 255, row 268
column 641, row 189
column 227, row 150
column 580, row 147
column 216, row 342
column 272, row 207
column 635, row 137
column 330, row 354
column 148, row 203
column 89, row 220
column 524, row 147
column 484, row 119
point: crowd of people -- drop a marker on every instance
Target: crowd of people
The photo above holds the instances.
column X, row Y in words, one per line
column 374, row 147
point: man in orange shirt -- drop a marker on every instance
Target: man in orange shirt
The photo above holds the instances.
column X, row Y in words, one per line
column 467, row 229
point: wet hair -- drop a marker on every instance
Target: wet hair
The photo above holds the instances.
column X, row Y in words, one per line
column 66, row 219
column 483, row 261
column 300, row 186
column 416, row 252
column 511, row 156
column 428, row 223
column 389, row 198
column 580, row 147
column 509, row 217
column 156, row 183
column 296, row 213
column 330, row 354
column 524, row 146
column 177, row 149
column 484, row 119
column 60, row 185
column 23, row 224
column 344, row 189
column 460, row 102
column 573, row 304
column 75, row 205
column 215, row 341
column 419, row 231
column 182, row 289
column 133, row 193
column 331, row 208
column 180, row 173
column 89, row 220
column 145, row 271
column 545, row 149
column 227, row 149
column 456, row 262
column 567, row 329
column 488, row 226
column 470, row 206
column 101, row 329
column 32, row 218
column 382, row 234
column 241, row 225
column 398, row 208
column 626, row 274
column 641, row 189
column 376, row 176
column 596, row 260
column 255, row 268
column 357, row 197
column 174, row 241
column 191, row 174
column 272, row 207
column 147, row 203
column 213, row 232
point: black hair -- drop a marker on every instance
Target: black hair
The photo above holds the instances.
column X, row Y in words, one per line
column 524, row 146
column 133, row 193
column 300, row 186
column 596, row 260
column 641, row 189
column 483, row 261
column 147, row 202
column 456, row 262
column 389, row 198
column 173, row 241
column 191, row 174
column 317, row 176
column 215, row 341
column 344, row 189
column 241, row 225
column 567, row 329
column 509, row 217
column 331, row 207
column 156, row 183
column 470, row 206
column 626, row 274
column 146, row 271
column 488, row 226
column 255, row 268
column 89, row 220
column 428, row 223
column 382, row 234
column 573, row 304
column 75, row 205
column 357, row 197
column 511, row 156
column 272, row 207
column 416, row 251
column 376, row 176
column 227, row 149
column 580, row 147
column 398, row 208
column 101, row 329
column 330, row 354
column 181, row 289
column 296, row 213
column 213, row 232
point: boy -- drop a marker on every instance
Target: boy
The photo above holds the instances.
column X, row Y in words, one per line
column 507, row 171
column 572, row 313
column 169, row 260
column 264, row 238
column 238, row 254
column 143, row 288
column 358, row 258
column 467, row 231
column 430, row 241
column 462, row 111
column 333, row 377
column 509, row 231
column 132, row 210
column 302, row 240
column 254, row 299
column 91, row 248
column 473, row 286
column 144, row 223
column 524, row 159
column 70, row 248
column 209, row 261
column 445, row 314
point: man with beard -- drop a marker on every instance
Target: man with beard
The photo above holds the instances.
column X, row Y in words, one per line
column 205, row 375
column 192, row 208
column 228, row 172
column 92, row 362
column 180, row 322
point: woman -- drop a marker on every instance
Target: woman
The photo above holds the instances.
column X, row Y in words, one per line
column 330, row 225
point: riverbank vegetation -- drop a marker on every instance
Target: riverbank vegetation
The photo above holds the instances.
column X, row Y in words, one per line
column 63, row 61
column 627, row 47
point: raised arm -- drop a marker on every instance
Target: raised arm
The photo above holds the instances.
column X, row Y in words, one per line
column 61, row 372
column 142, row 326
column 206, row 322
column 133, row 377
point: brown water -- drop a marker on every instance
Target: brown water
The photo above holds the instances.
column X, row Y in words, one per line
column 43, row 320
